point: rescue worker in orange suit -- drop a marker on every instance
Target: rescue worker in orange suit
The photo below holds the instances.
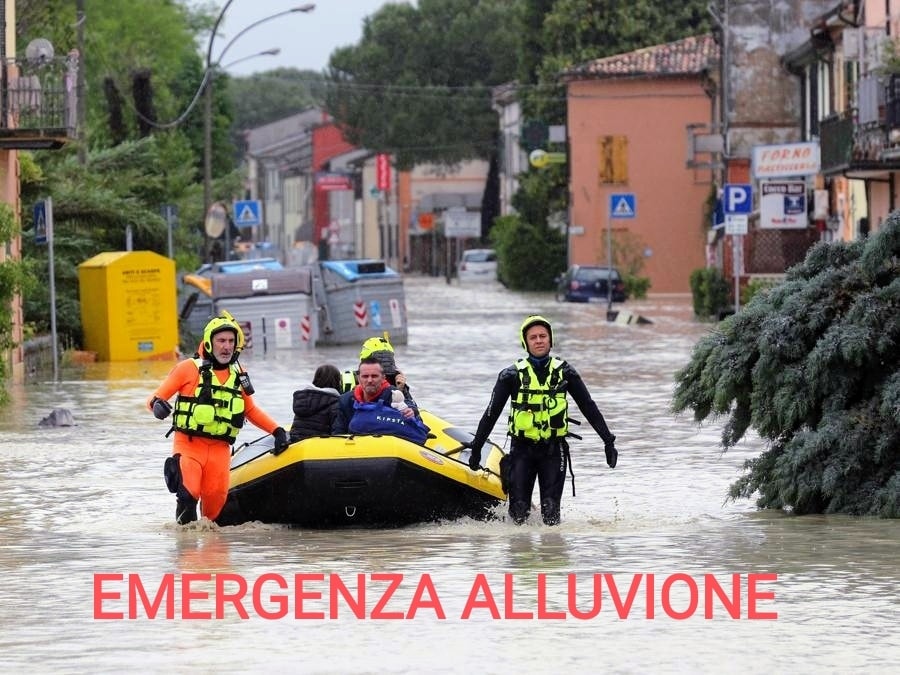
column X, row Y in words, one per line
column 536, row 387
column 214, row 397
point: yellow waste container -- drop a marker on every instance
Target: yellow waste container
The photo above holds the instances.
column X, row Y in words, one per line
column 128, row 306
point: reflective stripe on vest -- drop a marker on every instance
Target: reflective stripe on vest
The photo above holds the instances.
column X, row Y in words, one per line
column 539, row 411
column 215, row 410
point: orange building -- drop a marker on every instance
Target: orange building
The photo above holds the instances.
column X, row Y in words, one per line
column 629, row 118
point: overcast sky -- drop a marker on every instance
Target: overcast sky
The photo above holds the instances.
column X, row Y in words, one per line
column 306, row 40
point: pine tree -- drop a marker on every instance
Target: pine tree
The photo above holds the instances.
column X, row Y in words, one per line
column 811, row 365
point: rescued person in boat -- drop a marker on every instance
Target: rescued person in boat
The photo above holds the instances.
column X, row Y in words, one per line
column 537, row 386
column 315, row 406
column 381, row 349
column 214, row 397
column 375, row 406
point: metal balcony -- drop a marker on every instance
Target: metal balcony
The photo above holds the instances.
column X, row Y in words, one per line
column 857, row 150
column 836, row 142
column 38, row 103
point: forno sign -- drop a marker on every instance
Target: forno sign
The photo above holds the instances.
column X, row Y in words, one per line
column 786, row 160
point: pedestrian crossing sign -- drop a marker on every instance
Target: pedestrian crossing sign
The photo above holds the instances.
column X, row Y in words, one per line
column 40, row 223
column 247, row 213
column 622, row 205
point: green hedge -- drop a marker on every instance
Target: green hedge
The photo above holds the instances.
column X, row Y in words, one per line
column 710, row 292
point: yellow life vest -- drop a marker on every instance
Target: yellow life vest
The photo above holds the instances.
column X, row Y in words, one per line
column 539, row 411
column 215, row 410
column 348, row 380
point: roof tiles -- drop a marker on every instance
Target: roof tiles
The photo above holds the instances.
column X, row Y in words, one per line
column 689, row 56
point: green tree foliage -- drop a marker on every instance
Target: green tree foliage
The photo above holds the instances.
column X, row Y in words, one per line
column 536, row 198
column 265, row 97
column 125, row 181
column 709, row 292
column 529, row 256
column 576, row 31
column 124, row 39
column 93, row 206
column 812, row 366
column 534, row 202
column 13, row 278
column 418, row 84
column 559, row 34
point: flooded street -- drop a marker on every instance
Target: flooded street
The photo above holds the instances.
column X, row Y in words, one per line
column 81, row 502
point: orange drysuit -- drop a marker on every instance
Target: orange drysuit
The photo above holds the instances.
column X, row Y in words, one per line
column 204, row 461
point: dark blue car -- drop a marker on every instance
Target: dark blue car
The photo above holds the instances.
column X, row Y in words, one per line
column 590, row 283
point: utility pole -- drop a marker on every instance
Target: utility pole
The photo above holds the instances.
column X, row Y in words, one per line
column 81, row 103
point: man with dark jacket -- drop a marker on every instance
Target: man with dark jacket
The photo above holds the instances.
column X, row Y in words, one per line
column 372, row 388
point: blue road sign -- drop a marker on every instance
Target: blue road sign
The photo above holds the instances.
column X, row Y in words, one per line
column 738, row 198
column 247, row 213
column 40, row 222
column 622, row 205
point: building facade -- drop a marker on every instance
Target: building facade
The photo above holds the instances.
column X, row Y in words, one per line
column 627, row 124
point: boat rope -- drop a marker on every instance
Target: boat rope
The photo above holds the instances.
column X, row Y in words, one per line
column 237, row 449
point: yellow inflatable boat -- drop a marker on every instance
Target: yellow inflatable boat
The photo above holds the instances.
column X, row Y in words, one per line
column 364, row 481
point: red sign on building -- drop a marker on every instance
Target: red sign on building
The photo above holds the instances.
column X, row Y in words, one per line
column 383, row 172
column 325, row 182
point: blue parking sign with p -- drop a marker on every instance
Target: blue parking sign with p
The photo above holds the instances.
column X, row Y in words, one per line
column 738, row 198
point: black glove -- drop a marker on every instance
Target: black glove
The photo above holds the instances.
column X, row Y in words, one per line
column 475, row 459
column 281, row 441
column 612, row 455
column 161, row 408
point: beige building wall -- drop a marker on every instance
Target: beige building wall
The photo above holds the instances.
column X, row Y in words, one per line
column 466, row 177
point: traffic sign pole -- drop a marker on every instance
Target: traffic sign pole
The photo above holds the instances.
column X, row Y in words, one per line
column 738, row 204
column 170, row 213
column 48, row 205
column 609, row 260
column 620, row 206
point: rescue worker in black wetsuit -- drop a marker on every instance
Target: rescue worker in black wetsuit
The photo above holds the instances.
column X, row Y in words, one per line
column 536, row 387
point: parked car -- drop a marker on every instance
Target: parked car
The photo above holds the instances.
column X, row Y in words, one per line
column 589, row 283
column 478, row 264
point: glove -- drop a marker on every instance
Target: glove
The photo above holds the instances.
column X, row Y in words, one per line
column 475, row 459
column 612, row 455
column 161, row 408
column 281, row 441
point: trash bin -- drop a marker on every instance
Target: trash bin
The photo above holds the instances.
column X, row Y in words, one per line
column 128, row 306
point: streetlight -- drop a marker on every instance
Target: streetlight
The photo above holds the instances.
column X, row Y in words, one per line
column 211, row 66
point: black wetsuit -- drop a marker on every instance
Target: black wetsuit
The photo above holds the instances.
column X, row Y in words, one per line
column 545, row 460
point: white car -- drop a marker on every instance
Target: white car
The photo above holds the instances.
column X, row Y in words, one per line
column 478, row 264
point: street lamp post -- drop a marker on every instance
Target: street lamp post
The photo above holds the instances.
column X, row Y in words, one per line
column 208, row 75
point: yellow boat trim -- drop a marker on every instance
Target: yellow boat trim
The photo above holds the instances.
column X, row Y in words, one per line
column 433, row 457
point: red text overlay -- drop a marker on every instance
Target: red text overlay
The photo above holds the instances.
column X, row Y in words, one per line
column 320, row 597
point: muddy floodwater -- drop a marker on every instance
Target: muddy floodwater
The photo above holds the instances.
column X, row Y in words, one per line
column 651, row 570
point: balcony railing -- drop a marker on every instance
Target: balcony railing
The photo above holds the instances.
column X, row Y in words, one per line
column 836, row 142
column 38, row 103
column 892, row 101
